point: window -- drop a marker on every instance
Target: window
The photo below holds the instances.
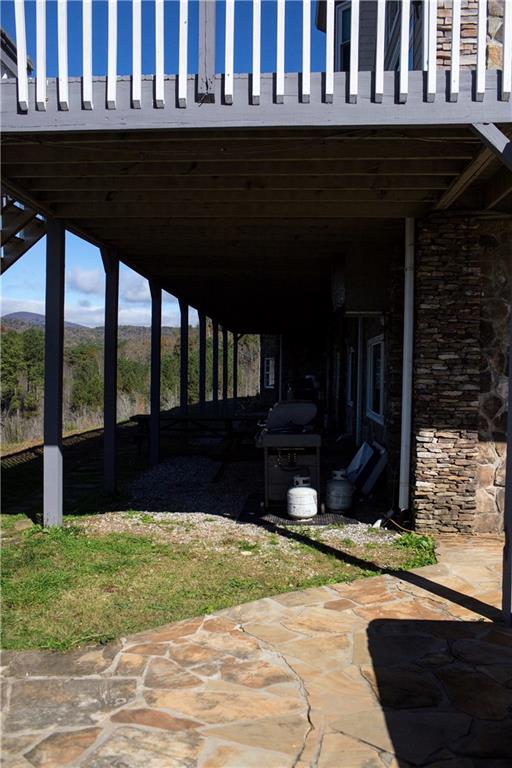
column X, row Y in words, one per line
column 269, row 372
column 342, row 52
column 350, row 375
column 375, row 379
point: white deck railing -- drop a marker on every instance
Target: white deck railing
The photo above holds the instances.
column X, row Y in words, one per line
column 136, row 40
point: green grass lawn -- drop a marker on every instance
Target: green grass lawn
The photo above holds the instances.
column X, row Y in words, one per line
column 65, row 587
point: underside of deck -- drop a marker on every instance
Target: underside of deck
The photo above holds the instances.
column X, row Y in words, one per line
column 248, row 225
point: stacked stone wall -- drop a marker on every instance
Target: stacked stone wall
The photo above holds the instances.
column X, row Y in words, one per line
column 468, row 33
column 460, row 375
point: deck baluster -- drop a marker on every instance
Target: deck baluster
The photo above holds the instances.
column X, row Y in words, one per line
column 256, row 52
column 87, row 101
column 353, row 88
column 112, row 55
column 481, row 50
column 136, row 55
column 21, row 45
column 41, row 54
column 506, row 85
column 379, row 51
column 280, row 52
column 306, row 51
column 159, row 54
column 62, row 46
column 229, row 51
column 183, row 55
column 403, row 86
column 329, row 53
column 455, row 63
column 425, row 30
column 432, row 51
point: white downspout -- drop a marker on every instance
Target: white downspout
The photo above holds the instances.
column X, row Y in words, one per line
column 405, row 441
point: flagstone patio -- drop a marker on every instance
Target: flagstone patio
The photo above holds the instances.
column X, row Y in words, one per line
column 384, row 672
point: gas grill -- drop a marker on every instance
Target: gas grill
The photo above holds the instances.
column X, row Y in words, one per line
column 291, row 446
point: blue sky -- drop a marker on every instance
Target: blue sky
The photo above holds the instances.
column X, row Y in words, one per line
column 23, row 288
column 243, row 35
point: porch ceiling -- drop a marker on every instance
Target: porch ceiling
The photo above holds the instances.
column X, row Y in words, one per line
column 248, row 224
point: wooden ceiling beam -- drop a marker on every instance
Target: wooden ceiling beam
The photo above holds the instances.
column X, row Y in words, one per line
column 239, row 197
column 226, row 153
column 232, row 229
column 79, row 211
column 426, row 167
column 202, row 136
column 236, row 183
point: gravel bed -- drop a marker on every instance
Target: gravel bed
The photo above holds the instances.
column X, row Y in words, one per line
column 193, row 498
column 187, row 484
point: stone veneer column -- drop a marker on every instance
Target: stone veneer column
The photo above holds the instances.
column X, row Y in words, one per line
column 496, row 241
column 460, row 377
column 446, row 374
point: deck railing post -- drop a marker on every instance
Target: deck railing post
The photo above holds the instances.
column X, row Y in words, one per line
column 111, row 266
column 225, row 366
column 215, row 361
column 202, row 360
column 156, row 338
column 53, row 372
column 184, row 356
column 206, row 64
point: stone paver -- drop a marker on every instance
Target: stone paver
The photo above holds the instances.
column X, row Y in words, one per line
column 387, row 672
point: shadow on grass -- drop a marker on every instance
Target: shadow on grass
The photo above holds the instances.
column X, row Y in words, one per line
column 415, row 579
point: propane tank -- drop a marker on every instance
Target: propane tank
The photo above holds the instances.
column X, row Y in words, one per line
column 302, row 502
column 339, row 491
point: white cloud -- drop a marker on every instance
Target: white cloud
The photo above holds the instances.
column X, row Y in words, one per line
column 21, row 305
column 88, row 281
column 134, row 288
column 85, row 312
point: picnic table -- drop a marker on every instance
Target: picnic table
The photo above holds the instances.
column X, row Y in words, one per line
column 226, row 424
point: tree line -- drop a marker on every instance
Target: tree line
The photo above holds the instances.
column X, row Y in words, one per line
column 22, row 379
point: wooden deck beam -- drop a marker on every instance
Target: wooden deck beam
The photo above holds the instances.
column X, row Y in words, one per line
column 417, row 111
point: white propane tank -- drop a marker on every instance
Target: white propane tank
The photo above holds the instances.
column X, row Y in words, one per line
column 340, row 492
column 302, row 502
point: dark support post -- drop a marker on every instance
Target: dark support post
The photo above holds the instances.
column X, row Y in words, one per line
column 53, row 370
column 184, row 356
column 156, row 339
column 111, row 265
column 236, row 339
column 206, row 68
column 202, row 360
column 507, row 516
column 215, row 361
column 225, row 370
